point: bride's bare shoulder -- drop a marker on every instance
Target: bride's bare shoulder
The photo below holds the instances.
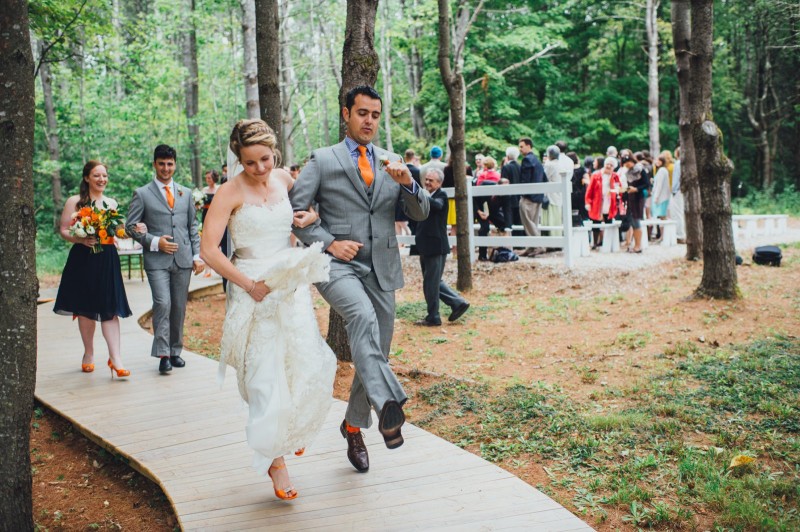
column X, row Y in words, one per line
column 284, row 177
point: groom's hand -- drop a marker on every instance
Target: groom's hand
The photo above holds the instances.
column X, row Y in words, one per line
column 400, row 173
column 165, row 246
column 344, row 250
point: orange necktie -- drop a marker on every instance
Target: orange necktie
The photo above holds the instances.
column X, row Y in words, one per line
column 364, row 167
column 170, row 197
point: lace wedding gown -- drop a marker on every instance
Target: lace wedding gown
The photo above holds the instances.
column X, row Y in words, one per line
column 285, row 369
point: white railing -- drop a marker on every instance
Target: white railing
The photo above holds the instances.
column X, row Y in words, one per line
column 564, row 241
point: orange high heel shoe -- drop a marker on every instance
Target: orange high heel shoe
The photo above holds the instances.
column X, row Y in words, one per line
column 286, row 495
column 87, row 368
column 122, row 372
column 299, row 452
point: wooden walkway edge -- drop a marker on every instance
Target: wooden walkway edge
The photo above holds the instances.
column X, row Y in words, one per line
column 187, row 434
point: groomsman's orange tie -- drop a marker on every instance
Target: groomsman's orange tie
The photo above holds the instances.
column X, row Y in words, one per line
column 170, row 197
column 364, row 167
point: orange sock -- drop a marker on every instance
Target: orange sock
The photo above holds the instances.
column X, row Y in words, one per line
column 351, row 429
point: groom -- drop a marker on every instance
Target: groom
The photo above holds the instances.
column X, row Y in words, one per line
column 171, row 251
column 356, row 199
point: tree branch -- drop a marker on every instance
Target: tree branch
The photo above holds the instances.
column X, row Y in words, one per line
column 538, row 55
column 462, row 39
column 58, row 38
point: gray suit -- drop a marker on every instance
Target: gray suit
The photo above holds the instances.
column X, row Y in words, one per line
column 168, row 275
column 362, row 290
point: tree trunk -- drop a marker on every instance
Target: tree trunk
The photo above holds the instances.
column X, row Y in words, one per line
column 719, row 265
column 360, row 66
column 719, row 254
column 690, row 186
column 51, row 133
column 17, row 266
column 269, row 64
column 652, row 75
column 288, row 89
column 386, row 74
column 319, row 83
column 453, row 81
column 360, row 61
column 250, row 59
column 191, row 89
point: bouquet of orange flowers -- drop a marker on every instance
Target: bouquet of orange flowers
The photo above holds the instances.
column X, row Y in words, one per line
column 103, row 223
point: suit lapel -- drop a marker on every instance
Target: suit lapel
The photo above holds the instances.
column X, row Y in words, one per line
column 341, row 153
column 380, row 174
column 154, row 188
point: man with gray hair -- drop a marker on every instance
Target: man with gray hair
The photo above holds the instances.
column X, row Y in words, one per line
column 511, row 171
column 433, row 248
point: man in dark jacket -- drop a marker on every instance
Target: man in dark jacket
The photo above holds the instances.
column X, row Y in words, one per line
column 530, row 205
column 433, row 248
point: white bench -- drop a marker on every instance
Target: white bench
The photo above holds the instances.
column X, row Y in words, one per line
column 610, row 234
column 669, row 232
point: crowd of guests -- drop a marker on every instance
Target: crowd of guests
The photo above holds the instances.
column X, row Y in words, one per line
column 621, row 185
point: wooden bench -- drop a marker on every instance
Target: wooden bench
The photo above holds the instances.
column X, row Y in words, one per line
column 669, row 232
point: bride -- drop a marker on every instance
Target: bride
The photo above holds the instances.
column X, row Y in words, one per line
column 285, row 370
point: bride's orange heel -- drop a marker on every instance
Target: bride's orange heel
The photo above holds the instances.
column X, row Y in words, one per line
column 299, row 452
column 87, row 368
column 286, row 495
column 122, row 372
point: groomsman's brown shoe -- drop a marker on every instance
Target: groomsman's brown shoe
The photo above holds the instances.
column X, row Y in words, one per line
column 356, row 450
column 390, row 422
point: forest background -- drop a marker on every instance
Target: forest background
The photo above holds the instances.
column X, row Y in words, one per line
column 118, row 78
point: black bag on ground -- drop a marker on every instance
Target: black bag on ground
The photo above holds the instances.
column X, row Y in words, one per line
column 504, row 255
column 767, row 255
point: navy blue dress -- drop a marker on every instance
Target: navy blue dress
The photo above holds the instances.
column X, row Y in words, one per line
column 91, row 285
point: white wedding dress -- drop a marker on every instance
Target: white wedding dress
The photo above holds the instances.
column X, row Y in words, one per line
column 285, row 369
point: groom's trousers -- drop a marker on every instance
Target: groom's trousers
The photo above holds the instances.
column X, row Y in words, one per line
column 369, row 314
column 170, row 289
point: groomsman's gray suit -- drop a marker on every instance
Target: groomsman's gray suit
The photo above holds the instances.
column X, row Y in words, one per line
column 168, row 275
column 362, row 290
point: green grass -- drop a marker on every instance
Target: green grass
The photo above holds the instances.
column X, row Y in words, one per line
column 412, row 310
column 51, row 253
column 657, row 451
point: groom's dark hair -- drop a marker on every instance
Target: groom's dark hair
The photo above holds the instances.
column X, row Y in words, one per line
column 163, row 151
column 366, row 90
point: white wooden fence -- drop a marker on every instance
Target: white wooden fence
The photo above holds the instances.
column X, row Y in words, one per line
column 565, row 241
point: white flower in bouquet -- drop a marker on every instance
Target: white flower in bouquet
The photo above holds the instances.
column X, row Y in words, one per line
column 198, row 197
column 77, row 230
column 89, row 230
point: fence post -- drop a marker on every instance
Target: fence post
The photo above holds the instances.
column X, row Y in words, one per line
column 566, row 219
column 472, row 256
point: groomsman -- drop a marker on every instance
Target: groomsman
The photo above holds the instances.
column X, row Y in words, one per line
column 171, row 251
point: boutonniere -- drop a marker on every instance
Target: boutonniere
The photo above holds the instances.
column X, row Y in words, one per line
column 180, row 192
column 384, row 161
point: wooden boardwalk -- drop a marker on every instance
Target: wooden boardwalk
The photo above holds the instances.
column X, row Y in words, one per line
column 186, row 434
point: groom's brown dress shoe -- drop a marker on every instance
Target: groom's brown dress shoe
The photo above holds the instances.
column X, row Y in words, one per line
column 356, row 450
column 389, row 423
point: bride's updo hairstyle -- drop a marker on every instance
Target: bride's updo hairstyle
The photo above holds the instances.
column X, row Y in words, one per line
column 250, row 133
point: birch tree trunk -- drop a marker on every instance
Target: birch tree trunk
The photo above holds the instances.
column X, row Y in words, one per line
column 51, row 133
column 269, row 64
column 690, row 186
column 414, row 67
column 250, row 58
column 360, row 66
column 453, row 80
column 652, row 74
column 191, row 89
column 719, row 257
column 19, row 288
column 319, row 83
column 287, row 88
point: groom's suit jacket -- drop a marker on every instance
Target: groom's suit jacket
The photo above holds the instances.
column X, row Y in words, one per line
column 349, row 210
column 150, row 206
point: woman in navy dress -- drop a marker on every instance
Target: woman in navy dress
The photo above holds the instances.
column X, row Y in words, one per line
column 91, row 288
